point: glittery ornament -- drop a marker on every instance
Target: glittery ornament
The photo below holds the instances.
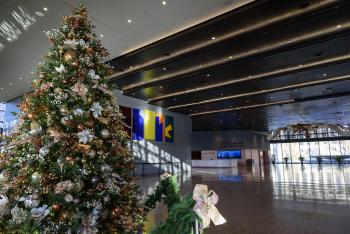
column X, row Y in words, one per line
column 69, row 56
column 104, row 133
column 92, row 153
column 64, row 110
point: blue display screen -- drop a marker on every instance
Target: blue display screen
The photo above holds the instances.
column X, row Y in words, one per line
column 228, row 154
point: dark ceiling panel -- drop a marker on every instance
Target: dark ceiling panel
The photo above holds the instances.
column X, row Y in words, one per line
column 260, row 63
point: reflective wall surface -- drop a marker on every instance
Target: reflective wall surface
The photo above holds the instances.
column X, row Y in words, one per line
column 274, row 199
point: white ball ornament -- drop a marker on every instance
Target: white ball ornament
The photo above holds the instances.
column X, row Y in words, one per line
column 36, row 177
column 64, row 120
column 68, row 198
column 105, row 134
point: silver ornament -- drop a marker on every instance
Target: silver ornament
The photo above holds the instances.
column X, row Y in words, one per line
column 76, row 200
column 68, row 198
column 94, row 180
column 64, row 120
column 106, row 198
column 92, row 153
column 104, row 133
column 36, row 177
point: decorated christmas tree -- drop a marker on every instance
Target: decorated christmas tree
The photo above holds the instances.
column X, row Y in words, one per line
column 67, row 168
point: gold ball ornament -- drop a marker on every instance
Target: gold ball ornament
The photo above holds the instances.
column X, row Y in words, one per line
column 69, row 56
column 105, row 134
column 64, row 110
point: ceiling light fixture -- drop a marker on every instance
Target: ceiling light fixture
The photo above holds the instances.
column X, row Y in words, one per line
column 208, row 75
column 10, row 83
column 230, row 57
column 101, row 35
column 242, row 108
column 163, row 3
column 324, row 74
column 45, row 9
column 213, row 38
column 129, row 21
column 21, row 78
column 264, row 91
column 272, row 73
column 164, row 68
column 339, row 26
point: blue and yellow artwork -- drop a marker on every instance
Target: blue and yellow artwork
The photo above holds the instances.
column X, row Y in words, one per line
column 169, row 129
column 149, row 125
column 137, row 124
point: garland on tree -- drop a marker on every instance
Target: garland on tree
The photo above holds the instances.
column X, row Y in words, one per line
column 181, row 216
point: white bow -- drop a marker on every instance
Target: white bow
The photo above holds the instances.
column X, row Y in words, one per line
column 205, row 205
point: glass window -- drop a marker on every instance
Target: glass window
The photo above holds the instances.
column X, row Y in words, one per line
column 286, row 151
column 345, row 147
column 294, row 148
column 314, row 150
column 277, row 152
column 335, row 148
column 304, row 151
column 324, row 151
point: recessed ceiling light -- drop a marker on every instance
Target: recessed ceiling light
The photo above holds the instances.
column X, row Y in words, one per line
column 131, row 67
column 164, row 68
column 10, row 83
column 161, row 86
column 324, row 74
column 2, row 88
column 40, row 14
column 45, row 8
column 208, row 75
column 221, row 94
column 213, row 38
column 174, row 99
column 163, row 3
column 339, row 26
column 300, row 65
column 21, row 78
column 230, row 57
column 101, row 35
column 129, row 21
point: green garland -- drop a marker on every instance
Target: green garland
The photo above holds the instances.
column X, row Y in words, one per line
column 181, row 216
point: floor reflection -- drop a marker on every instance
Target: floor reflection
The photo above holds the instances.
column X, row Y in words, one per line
column 272, row 199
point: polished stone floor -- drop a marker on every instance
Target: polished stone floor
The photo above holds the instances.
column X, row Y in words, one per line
column 272, row 199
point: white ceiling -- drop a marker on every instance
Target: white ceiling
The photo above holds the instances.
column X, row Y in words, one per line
column 151, row 20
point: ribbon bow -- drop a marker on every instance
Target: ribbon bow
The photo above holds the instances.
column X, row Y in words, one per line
column 205, row 205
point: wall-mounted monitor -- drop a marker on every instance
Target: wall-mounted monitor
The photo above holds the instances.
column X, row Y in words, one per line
column 228, row 154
